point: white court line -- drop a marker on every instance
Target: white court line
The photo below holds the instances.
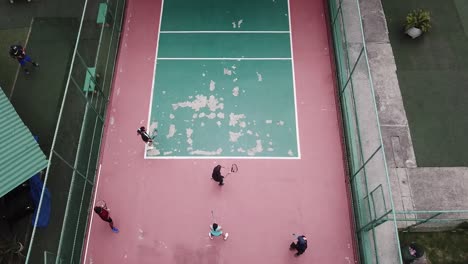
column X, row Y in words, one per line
column 237, row 59
column 92, row 215
column 154, row 73
column 223, row 32
column 220, row 157
column 294, row 82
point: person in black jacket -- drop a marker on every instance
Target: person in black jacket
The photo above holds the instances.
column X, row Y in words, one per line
column 145, row 136
column 216, row 175
column 300, row 245
column 19, row 53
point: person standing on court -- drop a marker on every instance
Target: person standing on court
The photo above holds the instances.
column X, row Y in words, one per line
column 300, row 245
column 216, row 175
column 216, row 231
column 19, row 53
column 145, row 136
column 105, row 216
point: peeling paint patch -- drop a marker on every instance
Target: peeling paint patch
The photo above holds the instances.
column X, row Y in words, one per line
column 227, row 71
column 235, row 91
column 212, row 85
column 257, row 149
column 172, row 131
column 212, row 115
column 234, row 136
column 259, row 77
column 234, row 119
column 207, row 153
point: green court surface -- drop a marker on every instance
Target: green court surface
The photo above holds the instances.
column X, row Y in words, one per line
column 225, row 15
column 231, row 45
column 433, row 75
column 224, row 94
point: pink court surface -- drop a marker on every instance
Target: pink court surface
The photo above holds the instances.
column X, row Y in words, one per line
column 163, row 206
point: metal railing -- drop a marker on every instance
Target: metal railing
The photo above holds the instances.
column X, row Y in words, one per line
column 74, row 154
column 374, row 213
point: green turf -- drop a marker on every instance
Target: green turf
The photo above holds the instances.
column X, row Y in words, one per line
column 220, row 15
column 9, row 66
column 37, row 97
column 440, row 247
column 224, row 46
column 433, row 75
column 265, row 96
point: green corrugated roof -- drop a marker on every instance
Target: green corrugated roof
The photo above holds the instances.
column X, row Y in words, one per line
column 20, row 155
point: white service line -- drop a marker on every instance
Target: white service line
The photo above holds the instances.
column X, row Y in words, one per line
column 237, row 59
column 223, row 32
column 92, row 215
column 220, row 157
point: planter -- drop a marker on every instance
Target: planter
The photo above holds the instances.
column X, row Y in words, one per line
column 414, row 32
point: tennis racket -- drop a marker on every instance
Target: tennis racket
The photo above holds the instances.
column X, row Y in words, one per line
column 233, row 169
column 102, row 204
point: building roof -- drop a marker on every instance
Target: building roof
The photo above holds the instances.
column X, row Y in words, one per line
column 20, row 155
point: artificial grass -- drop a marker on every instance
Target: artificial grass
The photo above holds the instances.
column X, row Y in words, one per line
column 433, row 76
column 9, row 66
column 440, row 247
column 37, row 97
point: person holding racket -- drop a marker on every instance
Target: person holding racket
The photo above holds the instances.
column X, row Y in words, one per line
column 19, row 53
column 217, row 175
column 103, row 212
column 145, row 136
column 216, row 231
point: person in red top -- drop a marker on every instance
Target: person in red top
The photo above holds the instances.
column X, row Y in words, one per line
column 104, row 214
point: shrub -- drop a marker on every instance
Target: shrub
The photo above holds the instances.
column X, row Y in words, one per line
column 418, row 18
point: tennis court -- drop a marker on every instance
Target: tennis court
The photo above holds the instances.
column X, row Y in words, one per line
column 223, row 82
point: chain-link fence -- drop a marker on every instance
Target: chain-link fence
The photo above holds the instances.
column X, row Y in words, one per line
column 376, row 229
column 75, row 148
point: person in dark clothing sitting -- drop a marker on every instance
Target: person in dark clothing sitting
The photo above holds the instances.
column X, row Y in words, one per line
column 216, row 175
column 300, row 245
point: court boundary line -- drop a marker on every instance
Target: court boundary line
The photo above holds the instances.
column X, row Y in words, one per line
column 220, row 58
column 145, row 156
column 154, row 74
column 294, row 82
column 223, row 157
column 92, row 215
column 224, row 32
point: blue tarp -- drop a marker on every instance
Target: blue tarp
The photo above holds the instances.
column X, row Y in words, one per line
column 36, row 185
